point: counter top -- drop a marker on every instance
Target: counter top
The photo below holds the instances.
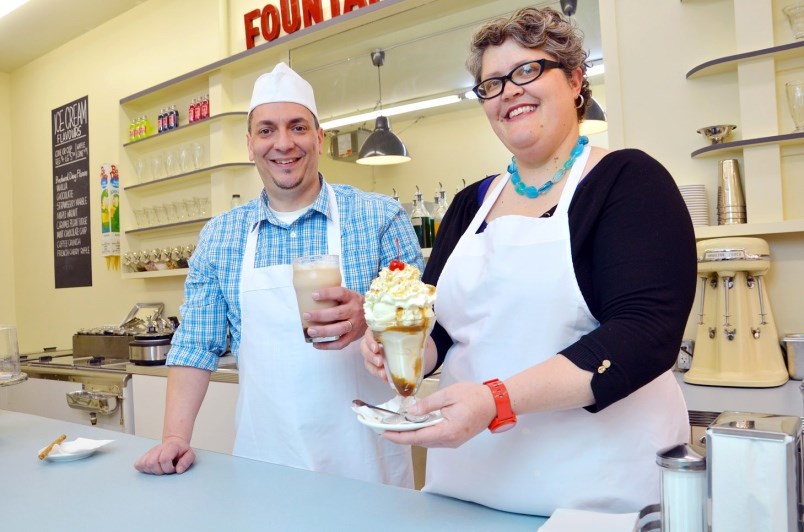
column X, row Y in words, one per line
column 220, row 492
column 783, row 400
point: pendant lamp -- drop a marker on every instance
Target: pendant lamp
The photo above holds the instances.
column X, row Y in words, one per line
column 382, row 146
column 594, row 119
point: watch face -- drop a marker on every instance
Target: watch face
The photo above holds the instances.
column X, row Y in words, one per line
column 503, row 426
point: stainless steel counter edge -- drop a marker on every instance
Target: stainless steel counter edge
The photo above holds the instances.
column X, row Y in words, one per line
column 220, row 375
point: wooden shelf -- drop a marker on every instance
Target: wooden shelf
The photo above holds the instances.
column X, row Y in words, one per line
column 759, row 229
column 157, row 273
column 730, row 62
column 725, row 149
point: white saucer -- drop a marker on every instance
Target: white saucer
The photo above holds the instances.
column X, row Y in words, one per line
column 75, row 450
column 373, row 420
column 58, row 456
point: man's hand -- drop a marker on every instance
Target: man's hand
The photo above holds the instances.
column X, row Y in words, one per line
column 173, row 455
column 345, row 320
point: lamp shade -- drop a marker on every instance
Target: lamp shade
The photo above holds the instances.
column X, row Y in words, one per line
column 382, row 146
column 594, row 119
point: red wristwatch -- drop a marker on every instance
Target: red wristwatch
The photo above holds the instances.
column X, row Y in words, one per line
column 505, row 418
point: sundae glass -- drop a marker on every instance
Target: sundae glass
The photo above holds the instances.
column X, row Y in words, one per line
column 399, row 311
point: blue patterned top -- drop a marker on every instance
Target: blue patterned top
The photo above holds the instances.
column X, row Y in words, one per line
column 370, row 225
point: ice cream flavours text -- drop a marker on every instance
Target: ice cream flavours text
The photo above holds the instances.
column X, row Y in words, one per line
column 289, row 16
column 68, row 120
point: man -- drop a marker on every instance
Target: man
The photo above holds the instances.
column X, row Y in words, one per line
column 295, row 397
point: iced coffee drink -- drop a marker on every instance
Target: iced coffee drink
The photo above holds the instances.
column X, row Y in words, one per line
column 399, row 311
column 310, row 274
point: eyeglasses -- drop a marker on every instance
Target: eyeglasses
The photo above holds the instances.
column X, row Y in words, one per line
column 521, row 75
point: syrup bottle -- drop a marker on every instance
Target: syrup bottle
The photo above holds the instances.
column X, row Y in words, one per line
column 422, row 221
column 441, row 208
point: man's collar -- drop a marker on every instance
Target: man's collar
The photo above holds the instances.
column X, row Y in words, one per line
column 321, row 204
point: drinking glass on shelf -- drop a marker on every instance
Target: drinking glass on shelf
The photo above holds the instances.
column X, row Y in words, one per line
column 157, row 171
column 795, row 16
column 172, row 214
column 181, row 210
column 198, row 155
column 171, row 163
column 203, row 207
column 795, row 101
column 153, row 218
column 192, row 208
column 184, row 158
column 141, row 218
column 139, row 167
column 161, row 214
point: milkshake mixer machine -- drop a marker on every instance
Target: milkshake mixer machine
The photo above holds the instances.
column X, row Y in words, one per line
column 737, row 343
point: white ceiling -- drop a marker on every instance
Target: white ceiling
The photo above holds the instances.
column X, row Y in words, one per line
column 40, row 26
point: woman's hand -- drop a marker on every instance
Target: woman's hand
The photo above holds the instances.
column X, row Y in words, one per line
column 372, row 355
column 467, row 408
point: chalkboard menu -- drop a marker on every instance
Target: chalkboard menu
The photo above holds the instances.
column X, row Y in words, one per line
column 72, row 247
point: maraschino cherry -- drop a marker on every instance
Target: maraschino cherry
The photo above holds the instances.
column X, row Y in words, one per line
column 396, row 264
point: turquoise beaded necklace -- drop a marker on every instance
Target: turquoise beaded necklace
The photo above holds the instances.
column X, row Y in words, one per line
column 533, row 192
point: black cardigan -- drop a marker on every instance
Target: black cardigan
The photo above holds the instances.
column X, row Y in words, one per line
column 633, row 250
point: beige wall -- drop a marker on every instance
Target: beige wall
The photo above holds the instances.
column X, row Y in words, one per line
column 654, row 107
column 106, row 64
column 7, row 296
column 650, row 105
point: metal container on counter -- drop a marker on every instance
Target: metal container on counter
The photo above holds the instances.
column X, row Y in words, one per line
column 754, row 472
column 150, row 349
column 794, row 345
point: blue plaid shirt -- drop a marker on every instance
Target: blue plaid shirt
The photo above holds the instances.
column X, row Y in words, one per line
column 370, row 225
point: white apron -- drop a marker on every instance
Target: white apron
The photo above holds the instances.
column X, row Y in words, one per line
column 509, row 299
column 295, row 402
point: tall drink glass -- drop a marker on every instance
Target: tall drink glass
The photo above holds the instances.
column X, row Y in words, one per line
column 310, row 274
column 9, row 353
column 795, row 101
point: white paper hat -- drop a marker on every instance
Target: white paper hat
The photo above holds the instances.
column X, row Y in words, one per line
column 283, row 85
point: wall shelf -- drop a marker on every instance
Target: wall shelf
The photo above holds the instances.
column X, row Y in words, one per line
column 726, row 149
column 729, row 63
column 185, row 177
column 758, row 229
column 168, row 227
column 185, row 132
column 180, row 272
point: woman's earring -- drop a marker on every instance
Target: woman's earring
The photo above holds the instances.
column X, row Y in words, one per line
column 583, row 101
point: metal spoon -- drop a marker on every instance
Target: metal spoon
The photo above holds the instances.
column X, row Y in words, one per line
column 393, row 417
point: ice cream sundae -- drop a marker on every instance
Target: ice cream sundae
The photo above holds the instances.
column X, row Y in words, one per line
column 399, row 311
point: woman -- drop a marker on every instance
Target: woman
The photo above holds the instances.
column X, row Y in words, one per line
column 571, row 298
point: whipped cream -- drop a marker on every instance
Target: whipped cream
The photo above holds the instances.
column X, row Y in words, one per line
column 397, row 298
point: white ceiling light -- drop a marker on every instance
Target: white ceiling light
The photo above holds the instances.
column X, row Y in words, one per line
column 391, row 111
column 7, row 6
